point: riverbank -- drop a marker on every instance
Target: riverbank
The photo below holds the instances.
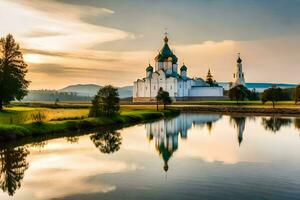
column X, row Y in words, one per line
column 16, row 131
column 258, row 110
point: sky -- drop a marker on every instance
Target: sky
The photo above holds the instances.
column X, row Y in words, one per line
column 111, row 42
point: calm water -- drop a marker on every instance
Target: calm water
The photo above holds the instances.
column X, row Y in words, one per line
column 193, row 156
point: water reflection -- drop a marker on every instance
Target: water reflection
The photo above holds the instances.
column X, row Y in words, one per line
column 107, row 141
column 166, row 132
column 239, row 123
column 297, row 123
column 203, row 148
column 274, row 124
column 13, row 166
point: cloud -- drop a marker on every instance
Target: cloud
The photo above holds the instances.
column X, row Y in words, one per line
column 60, row 24
column 87, row 55
column 53, row 69
column 39, row 32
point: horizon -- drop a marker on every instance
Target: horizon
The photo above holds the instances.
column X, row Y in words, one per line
column 93, row 42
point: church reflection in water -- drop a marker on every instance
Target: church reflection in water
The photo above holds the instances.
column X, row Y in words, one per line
column 239, row 124
column 166, row 132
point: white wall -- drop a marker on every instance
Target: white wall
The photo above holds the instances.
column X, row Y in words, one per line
column 206, row 91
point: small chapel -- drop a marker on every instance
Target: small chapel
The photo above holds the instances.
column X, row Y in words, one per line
column 165, row 75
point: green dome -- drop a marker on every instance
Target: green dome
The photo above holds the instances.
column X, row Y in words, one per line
column 149, row 68
column 166, row 54
column 183, row 68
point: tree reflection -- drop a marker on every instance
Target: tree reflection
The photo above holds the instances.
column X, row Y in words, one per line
column 239, row 123
column 107, row 141
column 72, row 139
column 13, row 165
column 274, row 124
column 297, row 123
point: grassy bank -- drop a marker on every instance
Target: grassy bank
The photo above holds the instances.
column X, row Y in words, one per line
column 15, row 131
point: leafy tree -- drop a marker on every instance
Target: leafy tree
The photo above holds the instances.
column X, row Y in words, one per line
column 12, row 168
column 238, row 93
column 107, row 141
column 13, row 85
column 297, row 94
column 253, row 95
column 56, row 102
column 164, row 97
column 159, row 97
column 106, row 102
column 273, row 94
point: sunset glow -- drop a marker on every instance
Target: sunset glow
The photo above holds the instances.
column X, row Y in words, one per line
column 100, row 39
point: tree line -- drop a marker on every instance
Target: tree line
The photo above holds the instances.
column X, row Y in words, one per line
column 274, row 94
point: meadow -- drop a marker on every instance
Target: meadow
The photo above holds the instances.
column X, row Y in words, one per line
column 20, row 121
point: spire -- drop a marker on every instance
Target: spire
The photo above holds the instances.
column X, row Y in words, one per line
column 209, row 74
column 209, row 78
column 239, row 60
column 166, row 39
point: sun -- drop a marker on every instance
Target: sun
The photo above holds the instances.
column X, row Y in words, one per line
column 32, row 58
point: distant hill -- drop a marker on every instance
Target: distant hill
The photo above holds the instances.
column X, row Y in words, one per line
column 90, row 90
column 260, row 86
column 85, row 92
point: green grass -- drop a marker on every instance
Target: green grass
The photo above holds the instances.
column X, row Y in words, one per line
column 23, row 115
column 15, row 131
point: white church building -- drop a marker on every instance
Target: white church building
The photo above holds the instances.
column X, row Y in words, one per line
column 178, row 84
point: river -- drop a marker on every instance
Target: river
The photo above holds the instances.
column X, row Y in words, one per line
column 191, row 156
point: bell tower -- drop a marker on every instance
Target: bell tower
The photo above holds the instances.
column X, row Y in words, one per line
column 238, row 76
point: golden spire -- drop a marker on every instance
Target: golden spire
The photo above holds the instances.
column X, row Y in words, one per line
column 166, row 39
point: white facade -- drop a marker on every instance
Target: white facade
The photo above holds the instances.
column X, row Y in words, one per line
column 167, row 77
column 238, row 76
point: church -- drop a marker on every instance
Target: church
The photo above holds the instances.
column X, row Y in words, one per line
column 165, row 75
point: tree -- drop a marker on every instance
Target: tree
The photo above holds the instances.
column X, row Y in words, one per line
column 159, row 97
column 13, row 85
column 56, row 102
column 253, row 95
column 210, row 79
column 272, row 94
column 238, row 93
column 164, row 97
column 297, row 94
column 106, row 102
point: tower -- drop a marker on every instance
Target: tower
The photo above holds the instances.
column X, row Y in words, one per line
column 238, row 76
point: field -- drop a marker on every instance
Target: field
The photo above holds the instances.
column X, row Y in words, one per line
column 20, row 121
column 22, row 113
